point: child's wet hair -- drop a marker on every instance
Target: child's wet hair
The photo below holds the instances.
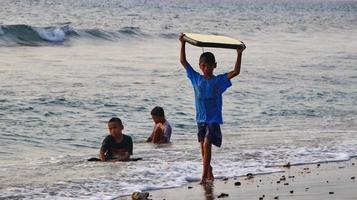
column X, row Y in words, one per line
column 115, row 120
column 158, row 111
column 207, row 57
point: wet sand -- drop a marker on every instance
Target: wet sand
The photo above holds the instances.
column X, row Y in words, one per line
column 332, row 180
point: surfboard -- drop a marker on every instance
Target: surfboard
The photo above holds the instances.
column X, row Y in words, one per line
column 99, row 160
column 216, row 41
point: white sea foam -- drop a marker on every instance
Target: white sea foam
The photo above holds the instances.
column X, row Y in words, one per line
column 157, row 172
column 56, row 34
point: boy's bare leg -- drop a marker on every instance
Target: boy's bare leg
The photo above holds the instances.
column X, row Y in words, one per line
column 210, row 176
column 203, row 180
column 210, row 171
column 207, row 169
column 202, row 149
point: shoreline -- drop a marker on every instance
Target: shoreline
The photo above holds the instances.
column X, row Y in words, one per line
column 324, row 180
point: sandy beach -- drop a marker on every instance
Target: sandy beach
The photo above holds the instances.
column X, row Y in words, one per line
column 68, row 66
column 331, row 180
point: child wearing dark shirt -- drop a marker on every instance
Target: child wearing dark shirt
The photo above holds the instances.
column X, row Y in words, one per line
column 116, row 146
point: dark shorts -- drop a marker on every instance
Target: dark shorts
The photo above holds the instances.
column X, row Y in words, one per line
column 210, row 131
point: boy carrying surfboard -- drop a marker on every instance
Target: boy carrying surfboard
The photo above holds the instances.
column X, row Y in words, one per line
column 208, row 90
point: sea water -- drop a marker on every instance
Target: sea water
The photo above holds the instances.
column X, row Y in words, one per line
column 67, row 67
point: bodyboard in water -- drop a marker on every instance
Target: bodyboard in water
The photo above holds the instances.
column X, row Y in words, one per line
column 97, row 159
column 217, row 41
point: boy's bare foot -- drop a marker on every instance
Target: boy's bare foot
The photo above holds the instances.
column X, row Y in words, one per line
column 210, row 176
column 203, row 181
column 206, row 181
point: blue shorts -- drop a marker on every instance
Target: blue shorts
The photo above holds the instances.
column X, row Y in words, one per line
column 210, row 131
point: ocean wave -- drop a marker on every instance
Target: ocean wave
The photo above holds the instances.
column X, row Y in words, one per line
column 21, row 34
column 169, row 35
column 27, row 35
column 99, row 34
column 132, row 31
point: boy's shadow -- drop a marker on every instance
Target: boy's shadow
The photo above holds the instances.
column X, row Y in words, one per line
column 209, row 191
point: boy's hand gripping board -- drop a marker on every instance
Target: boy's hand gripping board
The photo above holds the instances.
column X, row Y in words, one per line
column 217, row 41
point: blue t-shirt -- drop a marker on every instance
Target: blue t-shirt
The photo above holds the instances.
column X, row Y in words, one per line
column 208, row 95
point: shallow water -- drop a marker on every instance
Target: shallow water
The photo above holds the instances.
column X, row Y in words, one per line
column 67, row 67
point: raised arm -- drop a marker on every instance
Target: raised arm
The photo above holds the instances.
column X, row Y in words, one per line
column 237, row 66
column 183, row 51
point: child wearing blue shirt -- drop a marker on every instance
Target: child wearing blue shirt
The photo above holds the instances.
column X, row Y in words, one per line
column 208, row 90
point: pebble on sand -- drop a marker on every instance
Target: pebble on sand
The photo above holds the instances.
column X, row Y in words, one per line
column 223, row 195
column 140, row 195
column 287, row 165
column 237, row 183
column 250, row 176
column 282, row 178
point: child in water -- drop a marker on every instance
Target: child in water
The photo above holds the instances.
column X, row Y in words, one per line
column 116, row 146
column 161, row 132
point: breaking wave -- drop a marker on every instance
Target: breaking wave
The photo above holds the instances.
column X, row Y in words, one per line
column 21, row 34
